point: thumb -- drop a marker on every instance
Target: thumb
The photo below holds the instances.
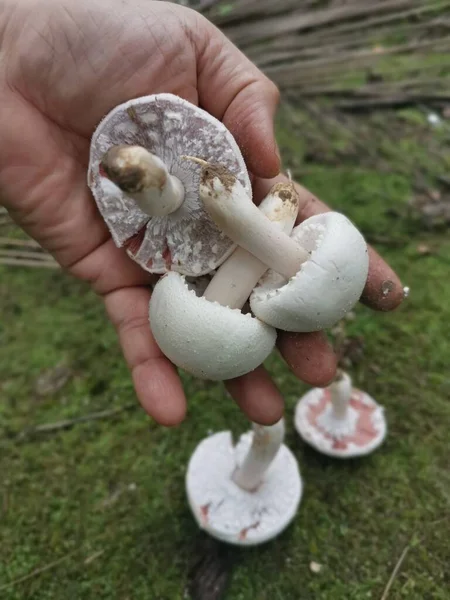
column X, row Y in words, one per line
column 234, row 90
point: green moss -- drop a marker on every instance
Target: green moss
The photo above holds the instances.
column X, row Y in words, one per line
column 110, row 494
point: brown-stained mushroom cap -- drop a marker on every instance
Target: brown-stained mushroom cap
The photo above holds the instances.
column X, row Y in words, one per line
column 187, row 240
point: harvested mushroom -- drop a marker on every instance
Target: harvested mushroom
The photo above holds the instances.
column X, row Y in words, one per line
column 209, row 336
column 247, row 494
column 148, row 195
column 318, row 274
column 340, row 420
column 144, row 177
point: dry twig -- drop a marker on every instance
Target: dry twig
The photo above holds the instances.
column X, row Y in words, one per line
column 395, row 573
column 68, row 423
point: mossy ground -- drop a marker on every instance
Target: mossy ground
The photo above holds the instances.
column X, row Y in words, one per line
column 107, row 497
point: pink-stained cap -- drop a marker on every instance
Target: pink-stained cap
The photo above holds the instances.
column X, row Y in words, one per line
column 359, row 433
column 231, row 514
column 186, row 240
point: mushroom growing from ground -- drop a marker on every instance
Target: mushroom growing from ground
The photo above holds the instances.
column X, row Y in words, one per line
column 340, row 420
column 245, row 494
column 209, row 336
column 148, row 194
column 249, row 493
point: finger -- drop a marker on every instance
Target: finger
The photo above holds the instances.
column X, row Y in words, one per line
column 156, row 380
column 310, row 356
column 235, row 91
column 257, row 396
column 383, row 290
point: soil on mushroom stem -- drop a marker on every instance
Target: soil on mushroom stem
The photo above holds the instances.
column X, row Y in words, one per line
column 116, row 487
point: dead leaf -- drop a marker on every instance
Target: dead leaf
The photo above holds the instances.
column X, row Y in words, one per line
column 423, row 249
column 315, row 567
column 211, row 574
column 52, row 380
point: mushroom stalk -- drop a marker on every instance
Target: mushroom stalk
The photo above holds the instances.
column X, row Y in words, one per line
column 265, row 445
column 237, row 276
column 144, row 178
column 231, row 286
column 341, row 392
column 229, row 206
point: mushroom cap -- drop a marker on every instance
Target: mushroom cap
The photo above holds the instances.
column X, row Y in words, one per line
column 359, row 433
column 226, row 511
column 187, row 240
column 327, row 285
column 206, row 339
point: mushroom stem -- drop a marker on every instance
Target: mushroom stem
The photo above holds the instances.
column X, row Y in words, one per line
column 341, row 392
column 231, row 286
column 235, row 279
column 144, row 178
column 234, row 213
column 266, row 442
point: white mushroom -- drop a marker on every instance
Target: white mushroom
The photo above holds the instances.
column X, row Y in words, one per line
column 209, row 336
column 318, row 273
column 327, row 285
column 340, row 420
column 204, row 338
column 154, row 211
column 247, row 494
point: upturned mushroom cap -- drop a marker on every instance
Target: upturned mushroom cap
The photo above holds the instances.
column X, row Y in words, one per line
column 358, row 432
column 169, row 127
column 206, row 339
column 234, row 515
column 327, row 285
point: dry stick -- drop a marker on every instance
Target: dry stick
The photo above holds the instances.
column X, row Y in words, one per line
column 38, row 256
column 340, row 45
column 352, row 59
column 393, row 101
column 331, row 80
column 250, row 9
column 68, row 423
column 395, row 573
column 37, row 571
column 375, row 88
column 17, row 242
column 246, row 34
column 19, row 262
column 341, row 33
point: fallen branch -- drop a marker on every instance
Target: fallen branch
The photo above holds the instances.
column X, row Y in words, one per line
column 38, row 256
column 5, row 241
column 5, row 221
column 69, row 423
column 23, row 262
column 248, row 33
column 37, row 571
column 350, row 60
column 395, row 573
column 400, row 101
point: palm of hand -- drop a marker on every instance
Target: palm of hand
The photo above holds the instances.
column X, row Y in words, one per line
column 67, row 66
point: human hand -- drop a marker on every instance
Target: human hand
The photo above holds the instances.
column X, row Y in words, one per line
column 67, row 63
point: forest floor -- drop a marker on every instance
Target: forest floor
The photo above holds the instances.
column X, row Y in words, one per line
column 98, row 510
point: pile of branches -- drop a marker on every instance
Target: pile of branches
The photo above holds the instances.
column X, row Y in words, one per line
column 332, row 48
column 320, row 48
column 19, row 251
